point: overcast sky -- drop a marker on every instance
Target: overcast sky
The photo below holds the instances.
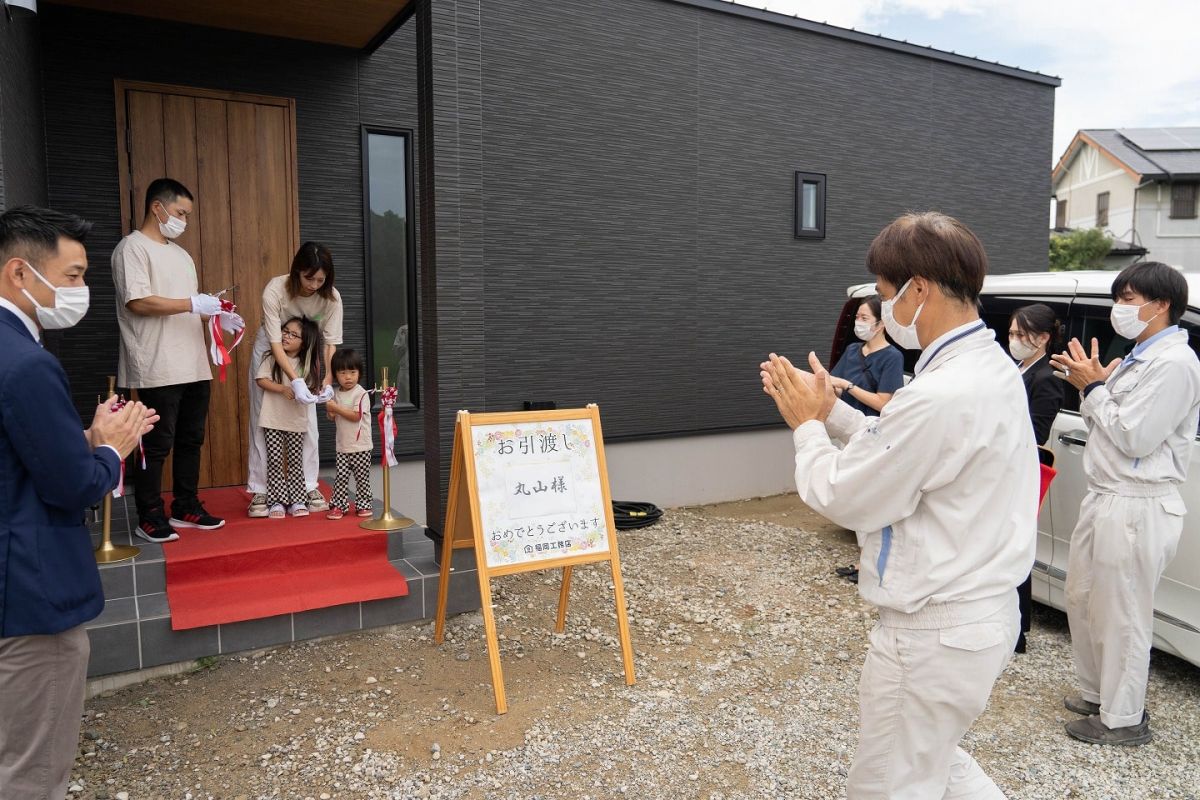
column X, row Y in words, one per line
column 1122, row 64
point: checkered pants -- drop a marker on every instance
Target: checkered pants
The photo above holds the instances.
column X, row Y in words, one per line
column 360, row 465
column 285, row 467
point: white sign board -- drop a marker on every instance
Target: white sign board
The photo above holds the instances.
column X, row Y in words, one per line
column 539, row 489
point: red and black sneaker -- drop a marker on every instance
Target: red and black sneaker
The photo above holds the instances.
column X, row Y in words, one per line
column 154, row 528
column 195, row 517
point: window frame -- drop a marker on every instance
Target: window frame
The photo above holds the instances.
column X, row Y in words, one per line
column 1060, row 213
column 1102, row 222
column 1195, row 190
column 410, row 246
column 798, row 229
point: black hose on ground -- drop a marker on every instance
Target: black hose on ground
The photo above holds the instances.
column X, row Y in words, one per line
column 630, row 514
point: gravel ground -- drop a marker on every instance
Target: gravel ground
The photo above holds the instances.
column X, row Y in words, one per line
column 748, row 652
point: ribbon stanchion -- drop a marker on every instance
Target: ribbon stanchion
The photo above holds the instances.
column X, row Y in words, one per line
column 387, row 521
column 107, row 552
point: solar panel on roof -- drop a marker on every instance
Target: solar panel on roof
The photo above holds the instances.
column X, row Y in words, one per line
column 1163, row 138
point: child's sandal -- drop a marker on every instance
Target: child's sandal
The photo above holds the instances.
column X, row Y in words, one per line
column 364, row 512
column 335, row 513
column 276, row 511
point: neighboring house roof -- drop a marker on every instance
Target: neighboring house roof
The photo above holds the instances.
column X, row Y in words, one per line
column 872, row 39
column 1147, row 154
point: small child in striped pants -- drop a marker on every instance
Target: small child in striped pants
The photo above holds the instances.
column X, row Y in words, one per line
column 350, row 410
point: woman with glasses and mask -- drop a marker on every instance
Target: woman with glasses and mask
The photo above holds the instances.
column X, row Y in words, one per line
column 867, row 374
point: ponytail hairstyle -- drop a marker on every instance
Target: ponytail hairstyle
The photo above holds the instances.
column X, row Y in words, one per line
column 1037, row 319
column 312, row 349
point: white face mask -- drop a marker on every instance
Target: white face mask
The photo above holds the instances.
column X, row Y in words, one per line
column 903, row 335
column 174, row 227
column 1021, row 350
column 70, row 304
column 1125, row 320
column 865, row 330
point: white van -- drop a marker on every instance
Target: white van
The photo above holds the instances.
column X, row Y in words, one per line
column 1082, row 301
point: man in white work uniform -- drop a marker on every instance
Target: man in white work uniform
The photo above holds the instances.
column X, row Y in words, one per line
column 942, row 489
column 1141, row 414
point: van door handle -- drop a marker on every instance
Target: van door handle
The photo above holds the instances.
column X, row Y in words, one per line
column 1067, row 438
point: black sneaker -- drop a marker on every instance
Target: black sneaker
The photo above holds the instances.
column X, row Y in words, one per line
column 195, row 517
column 154, row 528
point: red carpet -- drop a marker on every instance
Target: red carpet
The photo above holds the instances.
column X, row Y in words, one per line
column 254, row 568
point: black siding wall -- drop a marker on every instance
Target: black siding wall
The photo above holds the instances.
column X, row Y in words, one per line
column 336, row 91
column 633, row 169
column 22, row 159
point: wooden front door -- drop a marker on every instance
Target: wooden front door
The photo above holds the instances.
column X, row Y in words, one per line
column 236, row 153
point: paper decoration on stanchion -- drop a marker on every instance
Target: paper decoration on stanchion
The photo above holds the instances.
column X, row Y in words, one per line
column 387, row 521
column 107, row 552
column 529, row 491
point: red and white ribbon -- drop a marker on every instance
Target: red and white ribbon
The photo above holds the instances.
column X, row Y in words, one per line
column 387, row 425
column 216, row 348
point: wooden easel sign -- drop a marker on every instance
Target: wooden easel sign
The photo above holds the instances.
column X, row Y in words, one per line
column 529, row 491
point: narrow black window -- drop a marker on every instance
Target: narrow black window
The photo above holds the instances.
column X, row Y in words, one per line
column 1102, row 210
column 1183, row 200
column 810, row 205
column 391, row 279
column 1060, row 214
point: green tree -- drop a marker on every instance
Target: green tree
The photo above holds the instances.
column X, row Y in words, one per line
column 1084, row 248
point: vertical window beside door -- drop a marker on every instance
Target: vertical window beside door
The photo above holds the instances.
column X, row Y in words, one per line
column 391, row 278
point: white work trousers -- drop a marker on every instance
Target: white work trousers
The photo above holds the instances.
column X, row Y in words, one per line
column 920, row 690
column 257, row 480
column 1119, row 550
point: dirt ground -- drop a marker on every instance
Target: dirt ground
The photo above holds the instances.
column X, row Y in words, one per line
column 388, row 713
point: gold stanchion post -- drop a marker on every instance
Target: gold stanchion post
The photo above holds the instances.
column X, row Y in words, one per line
column 107, row 552
column 386, row 521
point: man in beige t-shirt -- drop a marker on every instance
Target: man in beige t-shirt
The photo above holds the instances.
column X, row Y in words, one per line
column 164, row 356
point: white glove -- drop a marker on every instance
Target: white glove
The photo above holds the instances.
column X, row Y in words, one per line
column 232, row 322
column 206, row 305
column 326, row 395
column 303, row 395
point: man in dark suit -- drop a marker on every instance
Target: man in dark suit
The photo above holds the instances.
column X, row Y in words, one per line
column 51, row 470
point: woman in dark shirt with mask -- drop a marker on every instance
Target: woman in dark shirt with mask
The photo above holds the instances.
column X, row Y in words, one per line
column 867, row 374
column 1032, row 331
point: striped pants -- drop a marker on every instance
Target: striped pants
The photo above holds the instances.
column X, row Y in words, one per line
column 285, row 467
column 358, row 464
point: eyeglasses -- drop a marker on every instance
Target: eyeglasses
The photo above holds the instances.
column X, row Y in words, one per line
column 289, row 335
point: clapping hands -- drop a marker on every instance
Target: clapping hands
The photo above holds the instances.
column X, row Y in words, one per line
column 800, row 396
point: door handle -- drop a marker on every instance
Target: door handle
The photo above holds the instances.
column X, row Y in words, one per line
column 1067, row 438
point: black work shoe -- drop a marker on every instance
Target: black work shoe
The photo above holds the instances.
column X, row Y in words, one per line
column 154, row 528
column 1077, row 704
column 195, row 517
column 1093, row 731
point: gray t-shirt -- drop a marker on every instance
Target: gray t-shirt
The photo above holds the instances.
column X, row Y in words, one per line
column 157, row 351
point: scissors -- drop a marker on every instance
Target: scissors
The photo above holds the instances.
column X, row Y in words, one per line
column 228, row 289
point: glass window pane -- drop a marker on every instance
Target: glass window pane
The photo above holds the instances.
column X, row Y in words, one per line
column 808, row 218
column 391, row 334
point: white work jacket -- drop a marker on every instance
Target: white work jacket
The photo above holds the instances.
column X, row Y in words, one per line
column 1142, row 421
column 941, row 487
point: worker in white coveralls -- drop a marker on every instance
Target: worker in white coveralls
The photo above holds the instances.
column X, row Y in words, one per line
column 942, row 489
column 1141, row 414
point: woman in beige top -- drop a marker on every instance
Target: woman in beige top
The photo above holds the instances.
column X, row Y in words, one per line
column 307, row 292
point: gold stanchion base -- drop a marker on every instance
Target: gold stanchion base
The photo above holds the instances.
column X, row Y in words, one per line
column 388, row 522
column 109, row 553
